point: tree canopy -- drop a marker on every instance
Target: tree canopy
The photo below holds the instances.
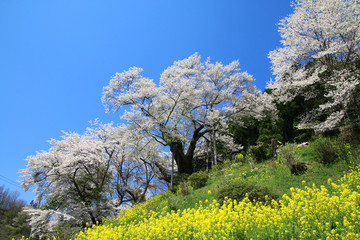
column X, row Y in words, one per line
column 85, row 178
column 192, row 100
column 319, row 60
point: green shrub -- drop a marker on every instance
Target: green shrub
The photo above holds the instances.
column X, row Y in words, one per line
column 172, row 202
column 287, row 154
column 304, row 137
column 198, row 179
column 182, row 178
column 183, row 188
column 350, row 133
column 325, row 150
column 346, row 134
column 239, row 188
column 259, row 152
column 344, row 151
column 239, row 158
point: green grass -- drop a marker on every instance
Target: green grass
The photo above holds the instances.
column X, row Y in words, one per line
column 274, row 175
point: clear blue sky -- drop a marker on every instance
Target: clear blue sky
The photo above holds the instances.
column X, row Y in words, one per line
column 56, row 56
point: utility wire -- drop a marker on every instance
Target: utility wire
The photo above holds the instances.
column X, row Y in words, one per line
column 8, row 178
column 9, row 181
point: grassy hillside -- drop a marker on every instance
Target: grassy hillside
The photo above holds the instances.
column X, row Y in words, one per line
column 321, row 203
column 309, row 205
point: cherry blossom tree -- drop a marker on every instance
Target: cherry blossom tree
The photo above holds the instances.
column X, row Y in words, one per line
column 319, row 59
column 85, row 178
column 192, row 99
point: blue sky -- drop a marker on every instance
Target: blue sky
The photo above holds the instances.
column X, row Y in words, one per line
column 56, row 56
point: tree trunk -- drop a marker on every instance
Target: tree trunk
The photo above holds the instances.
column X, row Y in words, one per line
column 172, row 171
column 214, row 146
column 184, row 162
column 83, row 199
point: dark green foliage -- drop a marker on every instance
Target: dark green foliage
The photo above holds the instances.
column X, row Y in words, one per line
column 182, row 178
column 198, row 179
column 354, row 111
column 223, row 152
column 283, row 129
column 200, row 162
column 268, row 129
column 289, row 116
column 184, row 188
column 247, row 134
column 350, row 133
column 13, row 220
column 303, row 137
column 182, row 182
column 55, row 201
column 326, row 150
column 298, row 168
column 260, row 152
column 346, row 134
column 239, row 188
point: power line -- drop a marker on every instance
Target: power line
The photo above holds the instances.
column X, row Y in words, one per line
column 8, row 178
column 9, row 181
column 4, row 180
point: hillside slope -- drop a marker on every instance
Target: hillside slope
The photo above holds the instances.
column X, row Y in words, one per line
column 322, row 203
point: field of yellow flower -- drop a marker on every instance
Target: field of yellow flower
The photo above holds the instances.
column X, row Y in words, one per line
column 310, row 212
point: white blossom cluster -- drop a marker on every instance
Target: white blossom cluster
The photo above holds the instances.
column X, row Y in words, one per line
column 321, row 36
column 85, row 178
column 190, row 95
